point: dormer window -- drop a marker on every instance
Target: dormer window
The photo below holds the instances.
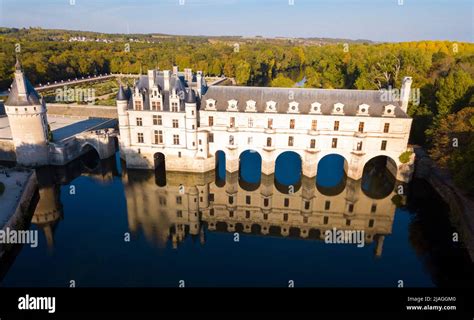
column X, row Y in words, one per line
column 271, row 106
column 211, row 104
column 315, row 108
column 363, row 110
column 251, row 106
column 232, row 105
column 293, row 107
column 338, row 109
column 389, row 111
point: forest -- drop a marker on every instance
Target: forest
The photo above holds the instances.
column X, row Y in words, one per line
column 442, row 71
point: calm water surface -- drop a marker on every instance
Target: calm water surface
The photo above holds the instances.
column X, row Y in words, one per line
column 184, row 226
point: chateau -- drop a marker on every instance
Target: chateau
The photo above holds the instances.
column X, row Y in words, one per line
column 175, row 118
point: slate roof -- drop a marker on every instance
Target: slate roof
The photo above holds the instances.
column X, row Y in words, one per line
column 32, row 97
column 176, row 82
column 351, row 99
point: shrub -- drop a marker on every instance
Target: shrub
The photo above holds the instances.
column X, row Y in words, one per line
column 405, row 157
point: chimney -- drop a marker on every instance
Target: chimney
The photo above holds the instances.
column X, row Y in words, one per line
column 175, row 70
column 151, row 78
column 166, row 80
column 199, row 82
column 188, row 74
column 405, row 93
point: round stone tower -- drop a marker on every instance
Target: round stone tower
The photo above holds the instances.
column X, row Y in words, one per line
column 26, row 112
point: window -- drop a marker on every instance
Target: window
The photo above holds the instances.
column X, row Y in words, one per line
column 386, row 127
column 157, row 121
column 231, row 215
column 292, row 123
column 269, row 142
column 312, row 143
column 351, row 208
column 250, row 140
column 138, row 105
column 139, row 122
column 211, row 121
column 155, row 105
column 287, row 202
column 306, row 205
column 211, row 137
column 265, row 216
column 175, row 123
column 176, row 139
column 211, row 196
column 326, row 220
column 336, row 125
column 179, row 214
column 270, row 123
column 250, row 122
column 327, row 205
column 248, row 199
column 179, row 200
column 192, row 112
column 231, row 199
column 200, row 142
column 232, row 122
column 361, row 127
column 371, row 223
column 162, row 201
column 211, row 212
column 314, row 125
column 373, row 208
column 348, row 222
column 305, row 220
column 231, row 140
column 247, row 214
column 384, row 145
column 290, row 141
column 158, row 137
column 265, row 202
column 140, row 137
column 174, row 106
column 334, row 143
column 359, row 146
column 285, row 217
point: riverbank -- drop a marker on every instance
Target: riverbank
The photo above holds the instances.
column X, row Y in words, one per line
column 20, row 188
column 461, row 206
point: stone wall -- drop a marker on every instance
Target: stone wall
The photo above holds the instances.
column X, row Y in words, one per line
column 19, row 217
column 461, row 207
column 7, row 150
column 82, row 110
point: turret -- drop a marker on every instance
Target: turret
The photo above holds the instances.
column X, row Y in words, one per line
column 27, row 116
column 191, row 120
column 122, row 111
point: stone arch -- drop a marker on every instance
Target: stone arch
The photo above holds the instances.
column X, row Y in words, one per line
column 331, row 174
column 220, row 168
column 250, row 170
column 90, row 156
column 159, row 165
column 379, row 176
column 288, row 171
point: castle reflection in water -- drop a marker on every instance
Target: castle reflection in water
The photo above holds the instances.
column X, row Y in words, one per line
column 167, row 208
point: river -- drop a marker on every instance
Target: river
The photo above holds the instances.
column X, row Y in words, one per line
column 102, row 225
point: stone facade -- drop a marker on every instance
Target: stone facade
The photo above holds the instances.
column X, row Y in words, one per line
column 161, row 116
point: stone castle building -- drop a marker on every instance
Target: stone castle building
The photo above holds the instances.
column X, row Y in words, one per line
column 176, row 118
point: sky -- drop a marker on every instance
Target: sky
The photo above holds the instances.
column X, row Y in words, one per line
column 377, row 20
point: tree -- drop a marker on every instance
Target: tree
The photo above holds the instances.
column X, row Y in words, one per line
column 453, row 91
column 283, row 82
